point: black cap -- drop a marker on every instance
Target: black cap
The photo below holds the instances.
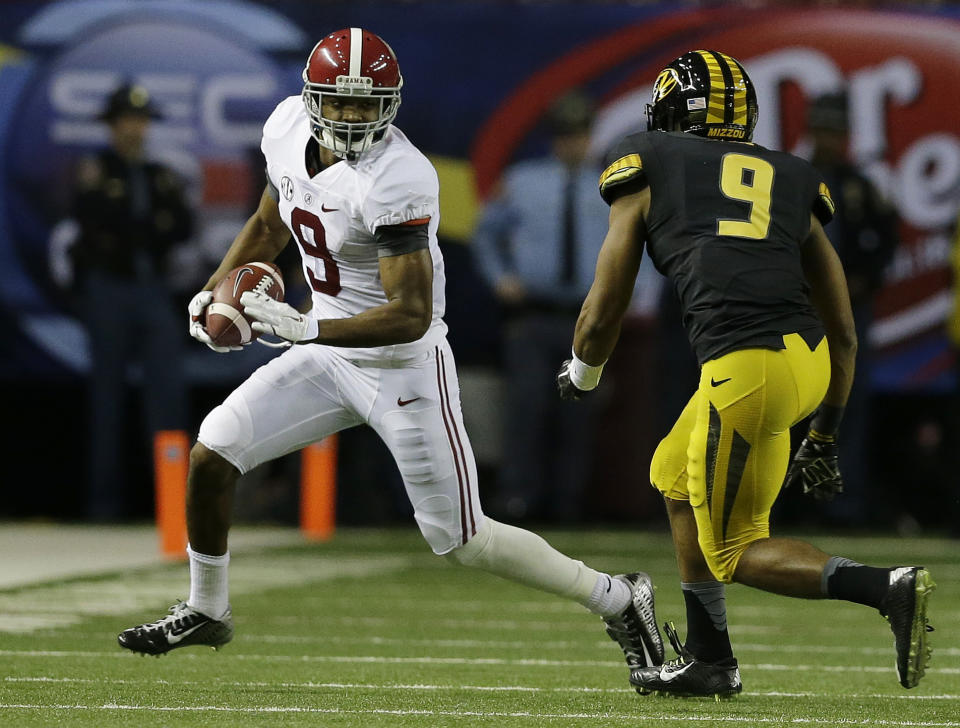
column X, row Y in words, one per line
column 829, row 112
column 129, row 99
column 572, row 113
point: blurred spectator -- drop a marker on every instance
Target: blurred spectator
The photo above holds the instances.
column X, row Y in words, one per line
column 864, row 232
column 129, row 213
column 536, row 245
column 677, row 370
column 953, row 421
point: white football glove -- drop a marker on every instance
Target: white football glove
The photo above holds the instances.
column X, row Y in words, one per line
column 196, row 308
column 277, row 318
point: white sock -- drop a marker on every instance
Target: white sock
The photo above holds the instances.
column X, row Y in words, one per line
column 610, row 596
column 524, row 557
column 208, row 583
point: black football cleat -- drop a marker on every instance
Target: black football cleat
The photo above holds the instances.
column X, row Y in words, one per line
column 687, row 677
column 635, row 628
column 184, row 626
column 905, row 608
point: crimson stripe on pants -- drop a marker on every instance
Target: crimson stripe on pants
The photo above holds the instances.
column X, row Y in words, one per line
column 450, row 423
column 463, row 457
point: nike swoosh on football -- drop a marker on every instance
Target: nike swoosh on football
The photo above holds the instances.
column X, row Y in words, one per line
column 405, row 402
column 240, row 275
column 716, row 383
column 324, row 208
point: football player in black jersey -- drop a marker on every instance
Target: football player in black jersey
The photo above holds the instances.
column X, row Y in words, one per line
column 738, row 230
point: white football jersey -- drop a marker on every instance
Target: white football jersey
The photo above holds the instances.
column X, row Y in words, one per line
column 333, row 216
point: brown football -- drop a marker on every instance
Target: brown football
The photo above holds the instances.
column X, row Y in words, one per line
column 224, row 317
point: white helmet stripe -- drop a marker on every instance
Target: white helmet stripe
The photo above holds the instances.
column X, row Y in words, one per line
column 356, row 48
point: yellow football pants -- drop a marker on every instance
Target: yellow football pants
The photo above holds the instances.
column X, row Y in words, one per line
column 728, row 452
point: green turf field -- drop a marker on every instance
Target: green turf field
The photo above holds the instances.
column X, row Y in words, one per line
column 372, row 630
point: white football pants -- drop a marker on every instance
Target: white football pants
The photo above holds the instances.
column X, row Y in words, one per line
column 310, row 392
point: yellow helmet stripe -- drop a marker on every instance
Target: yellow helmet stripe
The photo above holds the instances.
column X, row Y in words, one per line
column 715, row 104
column 739, row 91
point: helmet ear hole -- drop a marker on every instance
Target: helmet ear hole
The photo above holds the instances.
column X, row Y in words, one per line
column 660, row 117
column 696, row 118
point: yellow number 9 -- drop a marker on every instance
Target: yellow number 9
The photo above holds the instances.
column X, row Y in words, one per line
column 754, row 188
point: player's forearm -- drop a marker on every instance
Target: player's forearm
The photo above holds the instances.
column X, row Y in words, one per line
column 596, row 333
column 256, row 241
column 386, row 325
column 842, row 357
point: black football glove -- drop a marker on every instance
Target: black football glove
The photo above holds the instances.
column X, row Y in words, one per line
column 816, row 466
column 568, row 390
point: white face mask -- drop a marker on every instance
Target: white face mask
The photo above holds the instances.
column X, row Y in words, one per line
column 348, row 139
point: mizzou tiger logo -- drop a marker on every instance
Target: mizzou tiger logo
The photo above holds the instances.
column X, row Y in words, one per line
column 665, row 83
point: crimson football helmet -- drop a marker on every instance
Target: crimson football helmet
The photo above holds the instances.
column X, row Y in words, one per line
column 351, row 63
column 707, row 93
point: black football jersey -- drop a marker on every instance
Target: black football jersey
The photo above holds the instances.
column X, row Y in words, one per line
column 726, row 223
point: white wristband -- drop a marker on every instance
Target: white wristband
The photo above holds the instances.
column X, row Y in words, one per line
column 313, row 329
column 583, row 376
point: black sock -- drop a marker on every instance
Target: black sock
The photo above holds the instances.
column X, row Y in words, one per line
column 707, row 637
column 853, row 582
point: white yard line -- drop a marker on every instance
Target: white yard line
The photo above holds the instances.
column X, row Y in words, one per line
column 427, row 660
column 349, row 659
column 457, row 643
column 437, row 688
column 631, row 718
column 498, row 625
column 561, row 625
column 940, row 652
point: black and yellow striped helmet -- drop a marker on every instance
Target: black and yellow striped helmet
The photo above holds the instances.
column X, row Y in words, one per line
column 706, row 93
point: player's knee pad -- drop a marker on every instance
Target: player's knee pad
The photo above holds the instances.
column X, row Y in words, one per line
column 668, row 470
column 226, row 432
column 445, row 513
column 436, row 517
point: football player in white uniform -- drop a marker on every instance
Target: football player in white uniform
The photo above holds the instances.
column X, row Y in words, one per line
column 362, row 204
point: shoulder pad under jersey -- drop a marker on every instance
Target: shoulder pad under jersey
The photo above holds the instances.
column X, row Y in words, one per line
column 624, row 169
